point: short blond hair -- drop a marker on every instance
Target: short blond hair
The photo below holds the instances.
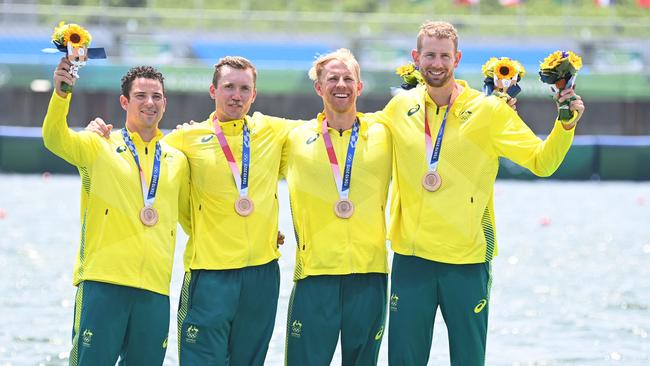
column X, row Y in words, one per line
column 235, row 62
column 439, row 30
column 342, row 54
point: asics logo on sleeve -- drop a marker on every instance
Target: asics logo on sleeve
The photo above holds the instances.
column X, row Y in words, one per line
column 312, row 139
column 413, row 110
column 120, row 149
column 481, row 304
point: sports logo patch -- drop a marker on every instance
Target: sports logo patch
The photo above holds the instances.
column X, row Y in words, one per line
column 413, row 110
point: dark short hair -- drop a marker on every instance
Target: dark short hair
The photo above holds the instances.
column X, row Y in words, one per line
column 147, row 72
column 235, row 62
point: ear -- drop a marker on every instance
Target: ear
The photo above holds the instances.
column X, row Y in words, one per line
column 415, row 55
column 318, row 89
column 124, row 102
column 254, row 95
column 359, row 87
column 213, row 92
column 459, row 55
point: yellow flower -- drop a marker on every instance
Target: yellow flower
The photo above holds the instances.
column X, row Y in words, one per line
column 58, row 31
column 405, row 69
column 575, row 60
column 76, row 35
column 519, row 68
column 410, row 74
column 488, row 67
column 71, row 33
column 552, row 61
column 504, row 69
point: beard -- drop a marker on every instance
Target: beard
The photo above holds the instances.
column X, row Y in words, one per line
column 437, row 82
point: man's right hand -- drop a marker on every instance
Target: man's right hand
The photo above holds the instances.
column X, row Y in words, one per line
column 62, row 75
column 100, row 127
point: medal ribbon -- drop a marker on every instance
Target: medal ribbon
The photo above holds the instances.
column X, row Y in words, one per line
column 342, row 184
column 241, row 179
column 433, row 153
column 150, row 196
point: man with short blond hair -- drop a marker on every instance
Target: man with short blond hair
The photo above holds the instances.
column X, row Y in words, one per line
column 343, row 55
column 338, row 170
column 447, row 140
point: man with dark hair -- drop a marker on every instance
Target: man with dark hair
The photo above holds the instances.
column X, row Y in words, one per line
column 230, row 291
column 135, row 189
column 447, row 140
column 146, row 72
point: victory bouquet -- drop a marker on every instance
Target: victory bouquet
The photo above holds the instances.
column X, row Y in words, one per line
column 74, row 40
column 560, row 69
column 411, row 76
column 502, row 76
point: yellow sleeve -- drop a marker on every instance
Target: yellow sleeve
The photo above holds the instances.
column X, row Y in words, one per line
column 184, row 205
column 175, row 139
column 383, row 116
column 513, row 139
column 77, row 148
column 281, row 126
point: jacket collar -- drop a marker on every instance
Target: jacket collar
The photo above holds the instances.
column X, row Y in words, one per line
column 233, row 127
column 363, row 124
column 459, row 102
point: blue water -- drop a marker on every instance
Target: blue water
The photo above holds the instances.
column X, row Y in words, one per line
column 571, row 283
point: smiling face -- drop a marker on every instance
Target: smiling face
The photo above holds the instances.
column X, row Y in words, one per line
column 145, row 105
column 437, row 59
column 234, row 93
column 338, row 86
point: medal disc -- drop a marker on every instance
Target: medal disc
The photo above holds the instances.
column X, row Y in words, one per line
column 344, row 208
column 149, row 216
column 244, row 206
column 431, row 181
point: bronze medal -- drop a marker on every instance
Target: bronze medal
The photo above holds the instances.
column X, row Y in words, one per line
column 344, row 208
column 431, row 181
column 149, row 216
column 244, row 206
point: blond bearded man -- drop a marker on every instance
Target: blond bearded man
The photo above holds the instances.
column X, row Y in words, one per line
column 442, row 218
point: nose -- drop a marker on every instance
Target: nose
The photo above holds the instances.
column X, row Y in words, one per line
column 340, row 82
column 434, row 61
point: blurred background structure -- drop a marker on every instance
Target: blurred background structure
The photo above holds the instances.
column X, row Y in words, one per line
column 184, row 38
